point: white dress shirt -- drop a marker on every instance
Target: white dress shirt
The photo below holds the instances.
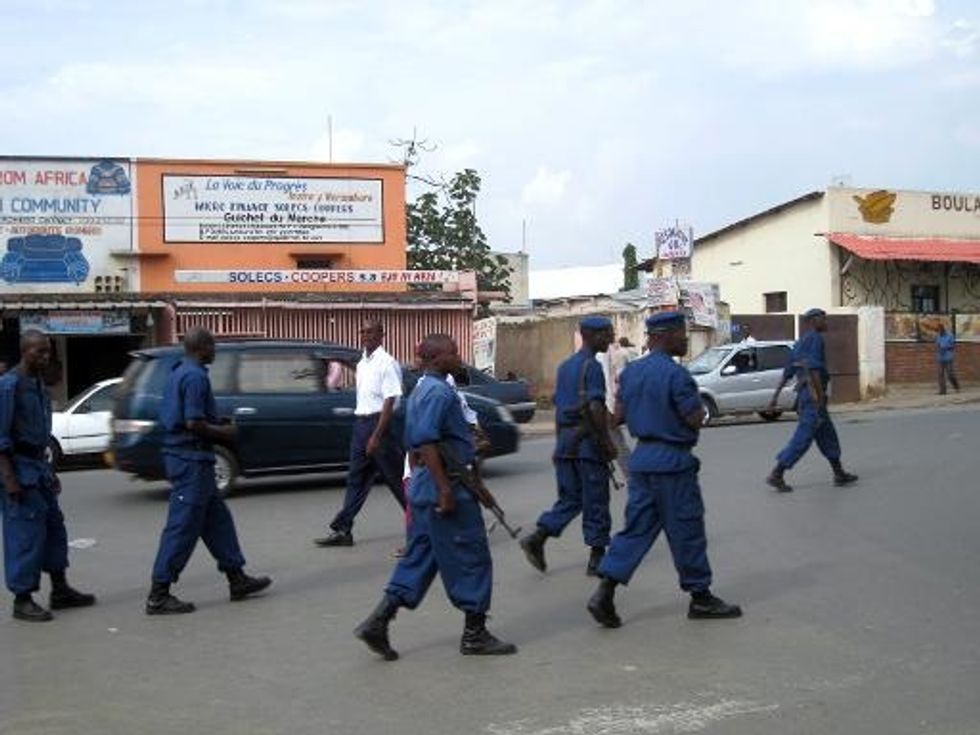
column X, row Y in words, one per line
column 379, row 377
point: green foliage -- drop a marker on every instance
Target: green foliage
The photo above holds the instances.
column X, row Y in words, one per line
column 631, row 278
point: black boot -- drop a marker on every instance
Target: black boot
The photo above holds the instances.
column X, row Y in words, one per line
column 595, row 559
column 478, row 641
column 335, row 538
column 841, row 477
column 533, row 546
column 26, row 609
column 777, row 481
column 64, row 596
column 601, row 604
column 161, row 602
column 705, row 605
column 240, row 585
column 374, row 630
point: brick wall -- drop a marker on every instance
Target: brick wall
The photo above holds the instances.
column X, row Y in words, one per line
column 915, row 362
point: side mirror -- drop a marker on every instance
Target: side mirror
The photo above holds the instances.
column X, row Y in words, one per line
column 729, row 370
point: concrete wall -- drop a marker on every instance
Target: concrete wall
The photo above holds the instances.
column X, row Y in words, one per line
column 871, row 350
column 781, row 252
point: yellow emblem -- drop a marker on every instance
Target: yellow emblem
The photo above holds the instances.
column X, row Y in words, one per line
column 876, row 207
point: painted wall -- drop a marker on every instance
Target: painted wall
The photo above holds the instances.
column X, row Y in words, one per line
column 781, row 252
column 894, row 212
column 265, row 216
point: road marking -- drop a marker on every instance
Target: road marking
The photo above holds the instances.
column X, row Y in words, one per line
column 82, row 543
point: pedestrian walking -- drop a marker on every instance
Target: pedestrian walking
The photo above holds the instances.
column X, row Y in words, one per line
column 374, row 448
column 191, row 428
column 583, row 450
column 808, row 364
column 659, row 402
column 945, row 352
column 34, row 534
column 446, row 534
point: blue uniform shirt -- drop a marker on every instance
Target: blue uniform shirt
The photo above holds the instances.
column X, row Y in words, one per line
column 656, row 394
column 187, row 397
column 25, row 419
column 946, row 344
column 808, row 354
column 433, row 414
column 572, row 389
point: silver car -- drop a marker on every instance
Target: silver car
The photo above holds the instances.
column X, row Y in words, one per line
column 741, row 378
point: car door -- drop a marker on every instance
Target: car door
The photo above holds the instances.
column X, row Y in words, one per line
column 281, row 410
column 738, row 380
column 772, row 359
column 89, row 422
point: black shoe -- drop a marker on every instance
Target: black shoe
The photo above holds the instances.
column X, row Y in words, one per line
column 602, row 607
column 844, row 478
column 533, row 546
column 240, row 585
column 66, row 597
column 478, row 641
column 595, row 559
column 706, row 606
column 161, row 602
column 374, row 630
column 30, row 611
column 776, row 480
column 335, row 538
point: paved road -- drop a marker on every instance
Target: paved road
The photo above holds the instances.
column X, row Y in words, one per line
column 862, row 612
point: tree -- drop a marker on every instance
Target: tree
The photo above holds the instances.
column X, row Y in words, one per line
column 443, row 233
column 631, row 277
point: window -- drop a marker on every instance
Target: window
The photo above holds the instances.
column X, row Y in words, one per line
column 744, row 361
column 318, row 264
column 279, row 372
column 101, row 400
column 773, row 358
column 775, row 301
column 340, row 375
column 925, row 299
column 222, row 372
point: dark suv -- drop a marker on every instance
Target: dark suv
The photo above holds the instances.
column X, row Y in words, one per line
column 293, row 403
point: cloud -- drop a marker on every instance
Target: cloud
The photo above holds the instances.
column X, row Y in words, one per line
column 547, row 187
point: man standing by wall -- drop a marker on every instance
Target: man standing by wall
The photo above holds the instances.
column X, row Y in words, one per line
column 945, row 349
column 34, row 535
column 374, row 447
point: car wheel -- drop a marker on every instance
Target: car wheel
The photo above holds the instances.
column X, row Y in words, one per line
column 53, row 453
column 225, row 471
column 710, row 410
column 770, row 415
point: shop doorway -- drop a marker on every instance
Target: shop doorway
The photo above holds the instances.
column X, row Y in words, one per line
column 89, row 359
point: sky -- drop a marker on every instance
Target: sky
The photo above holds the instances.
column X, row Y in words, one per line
column 592, row 124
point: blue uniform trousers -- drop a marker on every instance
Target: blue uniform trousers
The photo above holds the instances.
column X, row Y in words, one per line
column 388, row 460
column 583, row 487
column 34, row 538
column 668, row 501
column 812, row 423
column 454, row 546
column 196, row 512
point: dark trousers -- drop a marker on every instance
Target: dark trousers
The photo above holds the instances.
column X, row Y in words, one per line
column 196, row 512
column 583, row 487
column 946, row 371
column 34, row 538
column 813, row 424
column 388, row 459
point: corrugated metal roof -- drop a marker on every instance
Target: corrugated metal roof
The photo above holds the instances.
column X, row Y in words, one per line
column 932, row 249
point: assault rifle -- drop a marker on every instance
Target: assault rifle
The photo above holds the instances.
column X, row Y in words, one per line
column 468, row 478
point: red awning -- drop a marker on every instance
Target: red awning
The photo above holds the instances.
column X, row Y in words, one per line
column 937, row 249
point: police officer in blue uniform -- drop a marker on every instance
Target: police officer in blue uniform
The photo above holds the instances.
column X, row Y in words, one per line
column 581, row 456
column 660, row 404
column 446, row 534
column 808, row 365
column 190, row 421
column 34, row 535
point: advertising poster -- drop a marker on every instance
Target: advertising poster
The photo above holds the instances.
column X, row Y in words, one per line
column 485, row 344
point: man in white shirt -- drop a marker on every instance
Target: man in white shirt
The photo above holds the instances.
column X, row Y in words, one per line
column 374, row 447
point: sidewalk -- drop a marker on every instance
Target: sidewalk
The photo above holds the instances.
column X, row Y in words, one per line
column 899, row 397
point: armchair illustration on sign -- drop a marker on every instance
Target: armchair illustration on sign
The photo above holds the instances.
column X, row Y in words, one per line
column 44, row 259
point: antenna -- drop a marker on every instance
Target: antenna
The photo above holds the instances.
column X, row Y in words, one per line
column 330, row 138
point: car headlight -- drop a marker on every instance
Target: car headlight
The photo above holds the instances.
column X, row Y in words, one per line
column 504, row 414
column 132, row 426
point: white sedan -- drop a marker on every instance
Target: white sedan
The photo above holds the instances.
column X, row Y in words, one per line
column 85, row 425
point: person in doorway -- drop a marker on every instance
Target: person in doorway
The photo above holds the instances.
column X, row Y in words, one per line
column 446, row 533
column 659, row 402
column 746, row 335
column 945, row 351
column 583, row 450
column 191, row 428
column 34, row 534
column 808, row 364
column 374, row 447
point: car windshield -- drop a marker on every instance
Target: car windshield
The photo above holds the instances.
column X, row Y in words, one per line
column 707, row 360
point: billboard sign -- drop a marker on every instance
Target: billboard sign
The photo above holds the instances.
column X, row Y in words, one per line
column 674, row 243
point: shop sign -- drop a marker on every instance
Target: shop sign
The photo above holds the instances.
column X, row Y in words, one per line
column 312, row 277
column 77, row 322
column 674, row 243
column 662, row 292
column 701, row 299
column 485, row 344
column 243, row 209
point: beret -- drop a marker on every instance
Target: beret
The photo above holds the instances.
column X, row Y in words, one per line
column 811, row 313
column 664, row 321
column 595, row 322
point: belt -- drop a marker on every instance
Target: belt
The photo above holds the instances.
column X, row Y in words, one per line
column 654, row 440
column 29, row 450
